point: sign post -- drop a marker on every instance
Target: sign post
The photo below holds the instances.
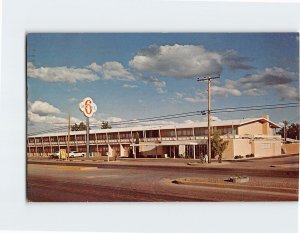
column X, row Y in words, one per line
column 88, row 107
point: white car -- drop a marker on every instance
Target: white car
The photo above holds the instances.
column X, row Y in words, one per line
column 74, row 154
column 56, row 155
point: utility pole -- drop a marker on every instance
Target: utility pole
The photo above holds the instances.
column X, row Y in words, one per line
column 208, row 79
column 284, row 131
column 87, row 137
column 69, row 127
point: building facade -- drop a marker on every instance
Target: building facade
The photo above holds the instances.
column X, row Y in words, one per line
column 246, row 136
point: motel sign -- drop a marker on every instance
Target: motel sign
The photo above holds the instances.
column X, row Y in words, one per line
column 88, row 107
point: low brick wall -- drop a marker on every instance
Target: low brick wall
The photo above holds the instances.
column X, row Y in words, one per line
column 290, row 148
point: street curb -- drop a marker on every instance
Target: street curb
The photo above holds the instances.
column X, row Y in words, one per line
column 291, row 191
column 234, row 171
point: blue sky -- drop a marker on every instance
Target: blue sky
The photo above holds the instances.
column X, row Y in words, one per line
column 138, row 75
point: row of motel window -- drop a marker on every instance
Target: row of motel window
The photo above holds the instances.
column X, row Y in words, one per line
column 141, row 134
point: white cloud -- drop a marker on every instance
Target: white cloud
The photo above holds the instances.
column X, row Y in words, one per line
column 111, row 70
column 108, row 71
column 215, row 118
column 72, row 99
column 186, row 61
column 254, row 92
column 61, row 74
column 95, row 67
column 225, row 91
column 191, row 121
column 197, row 97
column 129, row 86
column 43, row 108
column 258, row 84
column 235, row 62
column 269, row 77
column 180, row 61
column 158, row 84
column 100, row 117
column 287, row 92
column 52, row 120
column 115, row 70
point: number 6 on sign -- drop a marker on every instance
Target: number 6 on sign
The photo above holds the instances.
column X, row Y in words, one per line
column 88, row 107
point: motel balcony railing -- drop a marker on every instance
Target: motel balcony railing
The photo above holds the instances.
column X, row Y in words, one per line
column 62, row 143
column 101, row 141
column 126, row 140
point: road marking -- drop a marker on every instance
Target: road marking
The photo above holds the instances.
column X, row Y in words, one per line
column 69, row 168
column 102, row 176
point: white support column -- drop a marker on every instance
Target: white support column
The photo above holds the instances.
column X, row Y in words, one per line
column 75, row 139
column 50, row 145
column 134, row 151
column 35, row 147
column 194, row 151
column 122, row 151
column 174, row 151
column 58, row 142
column 159, row 134
column 194, row 133
column 43, row 145
column 96, row 140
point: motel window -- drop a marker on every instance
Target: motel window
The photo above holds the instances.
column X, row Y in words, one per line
column 102, row 148
column 200, row 132
column 52, row 139
column 62, row 138
column 92, row 136
column 46, row 139
column 169, row 133
column 38, row 140
column 125, row 135
column 101, row 136
column 31, row 140
column 152, row 133
column 116, row 148
column 80, row 137
column 184, row 132
column 112, row 136
column 140, row 134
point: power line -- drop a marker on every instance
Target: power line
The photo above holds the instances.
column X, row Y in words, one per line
column 194, row 113
column 187, row 114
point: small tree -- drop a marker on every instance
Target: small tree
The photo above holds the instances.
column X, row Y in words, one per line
column 218, row 145
column 80, row 127
column 105, row 125
column 292, row 131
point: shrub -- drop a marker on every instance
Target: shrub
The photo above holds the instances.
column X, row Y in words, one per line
column 250, row 155
column 238, row 157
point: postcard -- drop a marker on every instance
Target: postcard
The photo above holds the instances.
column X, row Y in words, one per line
column 162, row 117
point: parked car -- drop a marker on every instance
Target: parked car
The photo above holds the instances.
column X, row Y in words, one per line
column 55, row 155
column 74, row 154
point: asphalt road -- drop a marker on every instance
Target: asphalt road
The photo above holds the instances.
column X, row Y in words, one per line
column 270, row 180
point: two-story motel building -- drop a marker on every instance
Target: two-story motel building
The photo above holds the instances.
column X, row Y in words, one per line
column 245, row 136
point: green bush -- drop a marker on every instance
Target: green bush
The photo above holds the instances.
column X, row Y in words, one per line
column 250, row 155
column 238, row 157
